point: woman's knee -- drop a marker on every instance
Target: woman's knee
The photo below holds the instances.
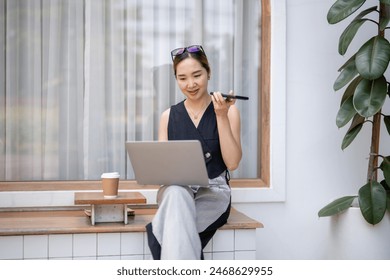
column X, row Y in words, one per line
column 174, row 191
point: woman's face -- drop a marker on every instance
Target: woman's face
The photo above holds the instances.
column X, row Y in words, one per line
column 192, row 78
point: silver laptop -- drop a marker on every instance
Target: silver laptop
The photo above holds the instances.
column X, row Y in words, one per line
column 168, row 162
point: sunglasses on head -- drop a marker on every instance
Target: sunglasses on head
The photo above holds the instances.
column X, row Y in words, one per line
column 189, row 49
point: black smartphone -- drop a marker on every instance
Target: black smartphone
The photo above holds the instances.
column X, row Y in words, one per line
column 227, row 96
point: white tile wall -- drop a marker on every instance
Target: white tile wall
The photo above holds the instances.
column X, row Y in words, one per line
column 132, row 243
column 108, row 244
column 225, row 245
column 109, row 257
column 85, row 245
column 244, row 240
column 146, row 246
column 208, row 256
column 223, row 241
column 223, row 256
column 84, row 258
column 60, row 246
column 245, row 255
column 11, row 247
column 132, row 257
column 209, row 247
column 36, row 247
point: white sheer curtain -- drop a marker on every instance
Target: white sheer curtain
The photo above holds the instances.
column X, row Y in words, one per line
column 79, row 78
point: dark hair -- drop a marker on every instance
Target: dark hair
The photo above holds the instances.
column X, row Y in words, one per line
column 199, row 56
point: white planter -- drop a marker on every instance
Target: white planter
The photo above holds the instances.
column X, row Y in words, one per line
column 352, row 238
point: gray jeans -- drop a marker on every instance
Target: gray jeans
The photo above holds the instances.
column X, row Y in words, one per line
column 184, row 213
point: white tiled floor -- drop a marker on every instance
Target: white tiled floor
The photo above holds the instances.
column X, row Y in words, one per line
column 226, row 244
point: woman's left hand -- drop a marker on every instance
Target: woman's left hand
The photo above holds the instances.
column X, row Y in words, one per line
column 222, row 105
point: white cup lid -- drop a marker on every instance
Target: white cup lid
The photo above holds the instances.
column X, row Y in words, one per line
column 110, row 175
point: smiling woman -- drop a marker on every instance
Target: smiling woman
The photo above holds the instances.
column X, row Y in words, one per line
column 83, row 77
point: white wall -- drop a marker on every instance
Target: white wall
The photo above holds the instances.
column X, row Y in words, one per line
column 316, row 169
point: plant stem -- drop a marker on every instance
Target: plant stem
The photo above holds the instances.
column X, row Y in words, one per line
column 372, row 174
column 374, row 150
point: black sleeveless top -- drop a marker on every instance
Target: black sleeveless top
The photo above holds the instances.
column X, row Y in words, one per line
column 181, row 127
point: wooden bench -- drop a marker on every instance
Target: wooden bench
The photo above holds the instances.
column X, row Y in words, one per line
column 68, row 234
column 56, row 228
column 25, row 222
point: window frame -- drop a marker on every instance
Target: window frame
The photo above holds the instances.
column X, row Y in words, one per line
column 244, row 190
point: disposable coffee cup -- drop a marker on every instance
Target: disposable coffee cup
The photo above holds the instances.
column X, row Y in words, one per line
column 110, row 182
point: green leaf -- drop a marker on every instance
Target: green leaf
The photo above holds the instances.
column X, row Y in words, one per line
column 348, row 34
column 387, row 188
column 345, row 113
column 351, row 30
column 385, row 167
column 372, row 202
column 384, row 16
column 385, row 185
column 353, row 131
column 366, row 12
column 388, row 201
column 350, row 60
column 385, row 2
column 373, row 58
column 370, row 96
column 350, row 91
column 341, row 9
column 337, row 206
column 348, row 72
column 387, row 123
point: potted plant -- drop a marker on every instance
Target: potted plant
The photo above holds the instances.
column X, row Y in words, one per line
column 366, row 90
